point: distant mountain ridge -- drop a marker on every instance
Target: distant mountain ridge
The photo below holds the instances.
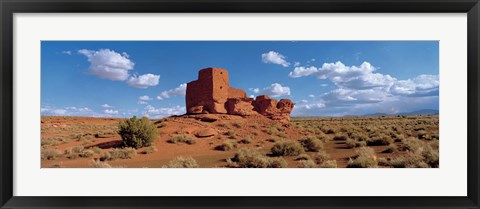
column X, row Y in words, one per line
column 417, row 112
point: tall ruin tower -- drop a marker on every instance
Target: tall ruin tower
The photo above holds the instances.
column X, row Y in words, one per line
column 210, row 92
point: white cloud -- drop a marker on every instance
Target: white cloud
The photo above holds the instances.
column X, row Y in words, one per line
column 422, row 85
column 66, row 111
column 311, row 96
column 68, row 52
column 153, row 112
column 143, row 81
column 180, row 90
column 142, row 102
column 110, row 111
column 255, row 90
column 276, row 90
column 108, row 64
column 296, row 64
column 323, row 85
column 362, row 88
column 275, row 58
column 106, row 106
column 144, row 98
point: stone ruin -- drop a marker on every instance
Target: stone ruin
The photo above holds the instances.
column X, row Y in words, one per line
column 211, row 93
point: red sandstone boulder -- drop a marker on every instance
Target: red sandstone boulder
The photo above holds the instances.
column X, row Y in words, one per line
column 240, row 106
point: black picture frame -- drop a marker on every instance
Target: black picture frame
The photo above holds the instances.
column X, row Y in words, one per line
column 9, row 7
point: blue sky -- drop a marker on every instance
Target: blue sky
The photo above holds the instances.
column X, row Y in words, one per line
column 323, row 78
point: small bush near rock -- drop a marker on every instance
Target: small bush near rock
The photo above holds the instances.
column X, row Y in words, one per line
column 287, row 148
column 379, row 140
column 307, row 164
column 136, row 132
column 183, row 162
column 150, row 150
column 329, row 164
column 245, row 140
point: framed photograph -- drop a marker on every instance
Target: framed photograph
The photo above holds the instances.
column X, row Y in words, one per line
column 263, row 104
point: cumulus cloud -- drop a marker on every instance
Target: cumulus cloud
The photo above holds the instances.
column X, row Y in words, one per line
column 111, row 65
column 145, row 98
column 422, row 85
column 110, row 111
column 108, row 64
column 143, row 81
column 275, row 58
column 153, row 112
column 311, row 96
column 361, row 87
column 142, row 102
column 68, row 52
column 180, row 90
column 276, row 90
column 254, row 90
column 106, row 106
column 66, row 111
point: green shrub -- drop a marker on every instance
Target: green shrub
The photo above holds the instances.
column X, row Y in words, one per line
column 181, row 162
column 250, row 158
column 136, row 132
column 182, row 138
column 287, row 148
column 311, row 144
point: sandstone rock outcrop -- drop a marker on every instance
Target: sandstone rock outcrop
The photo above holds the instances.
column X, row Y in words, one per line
column 211, row 93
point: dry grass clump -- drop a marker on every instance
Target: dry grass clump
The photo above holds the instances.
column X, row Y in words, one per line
column 183, row 162
column 287, row 148
column 411, row 144
column 99, row 164
column 246, row 140
column 321, row 157
column 390, row 149
column 329, row 164
column 50, row 154
column 351, row 143
column 116, row 153
column 311, row 144
column 365, row 159
column 303, row 157
column 379, row 140
column 227, row 145
column 231, row 134
column 339, row 138
column 237, row 124
column 251, row 158
column 150, row 150
column 182, row 138
column 307, row 164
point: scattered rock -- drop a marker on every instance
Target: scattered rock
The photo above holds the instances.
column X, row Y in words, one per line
column 207, row 132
